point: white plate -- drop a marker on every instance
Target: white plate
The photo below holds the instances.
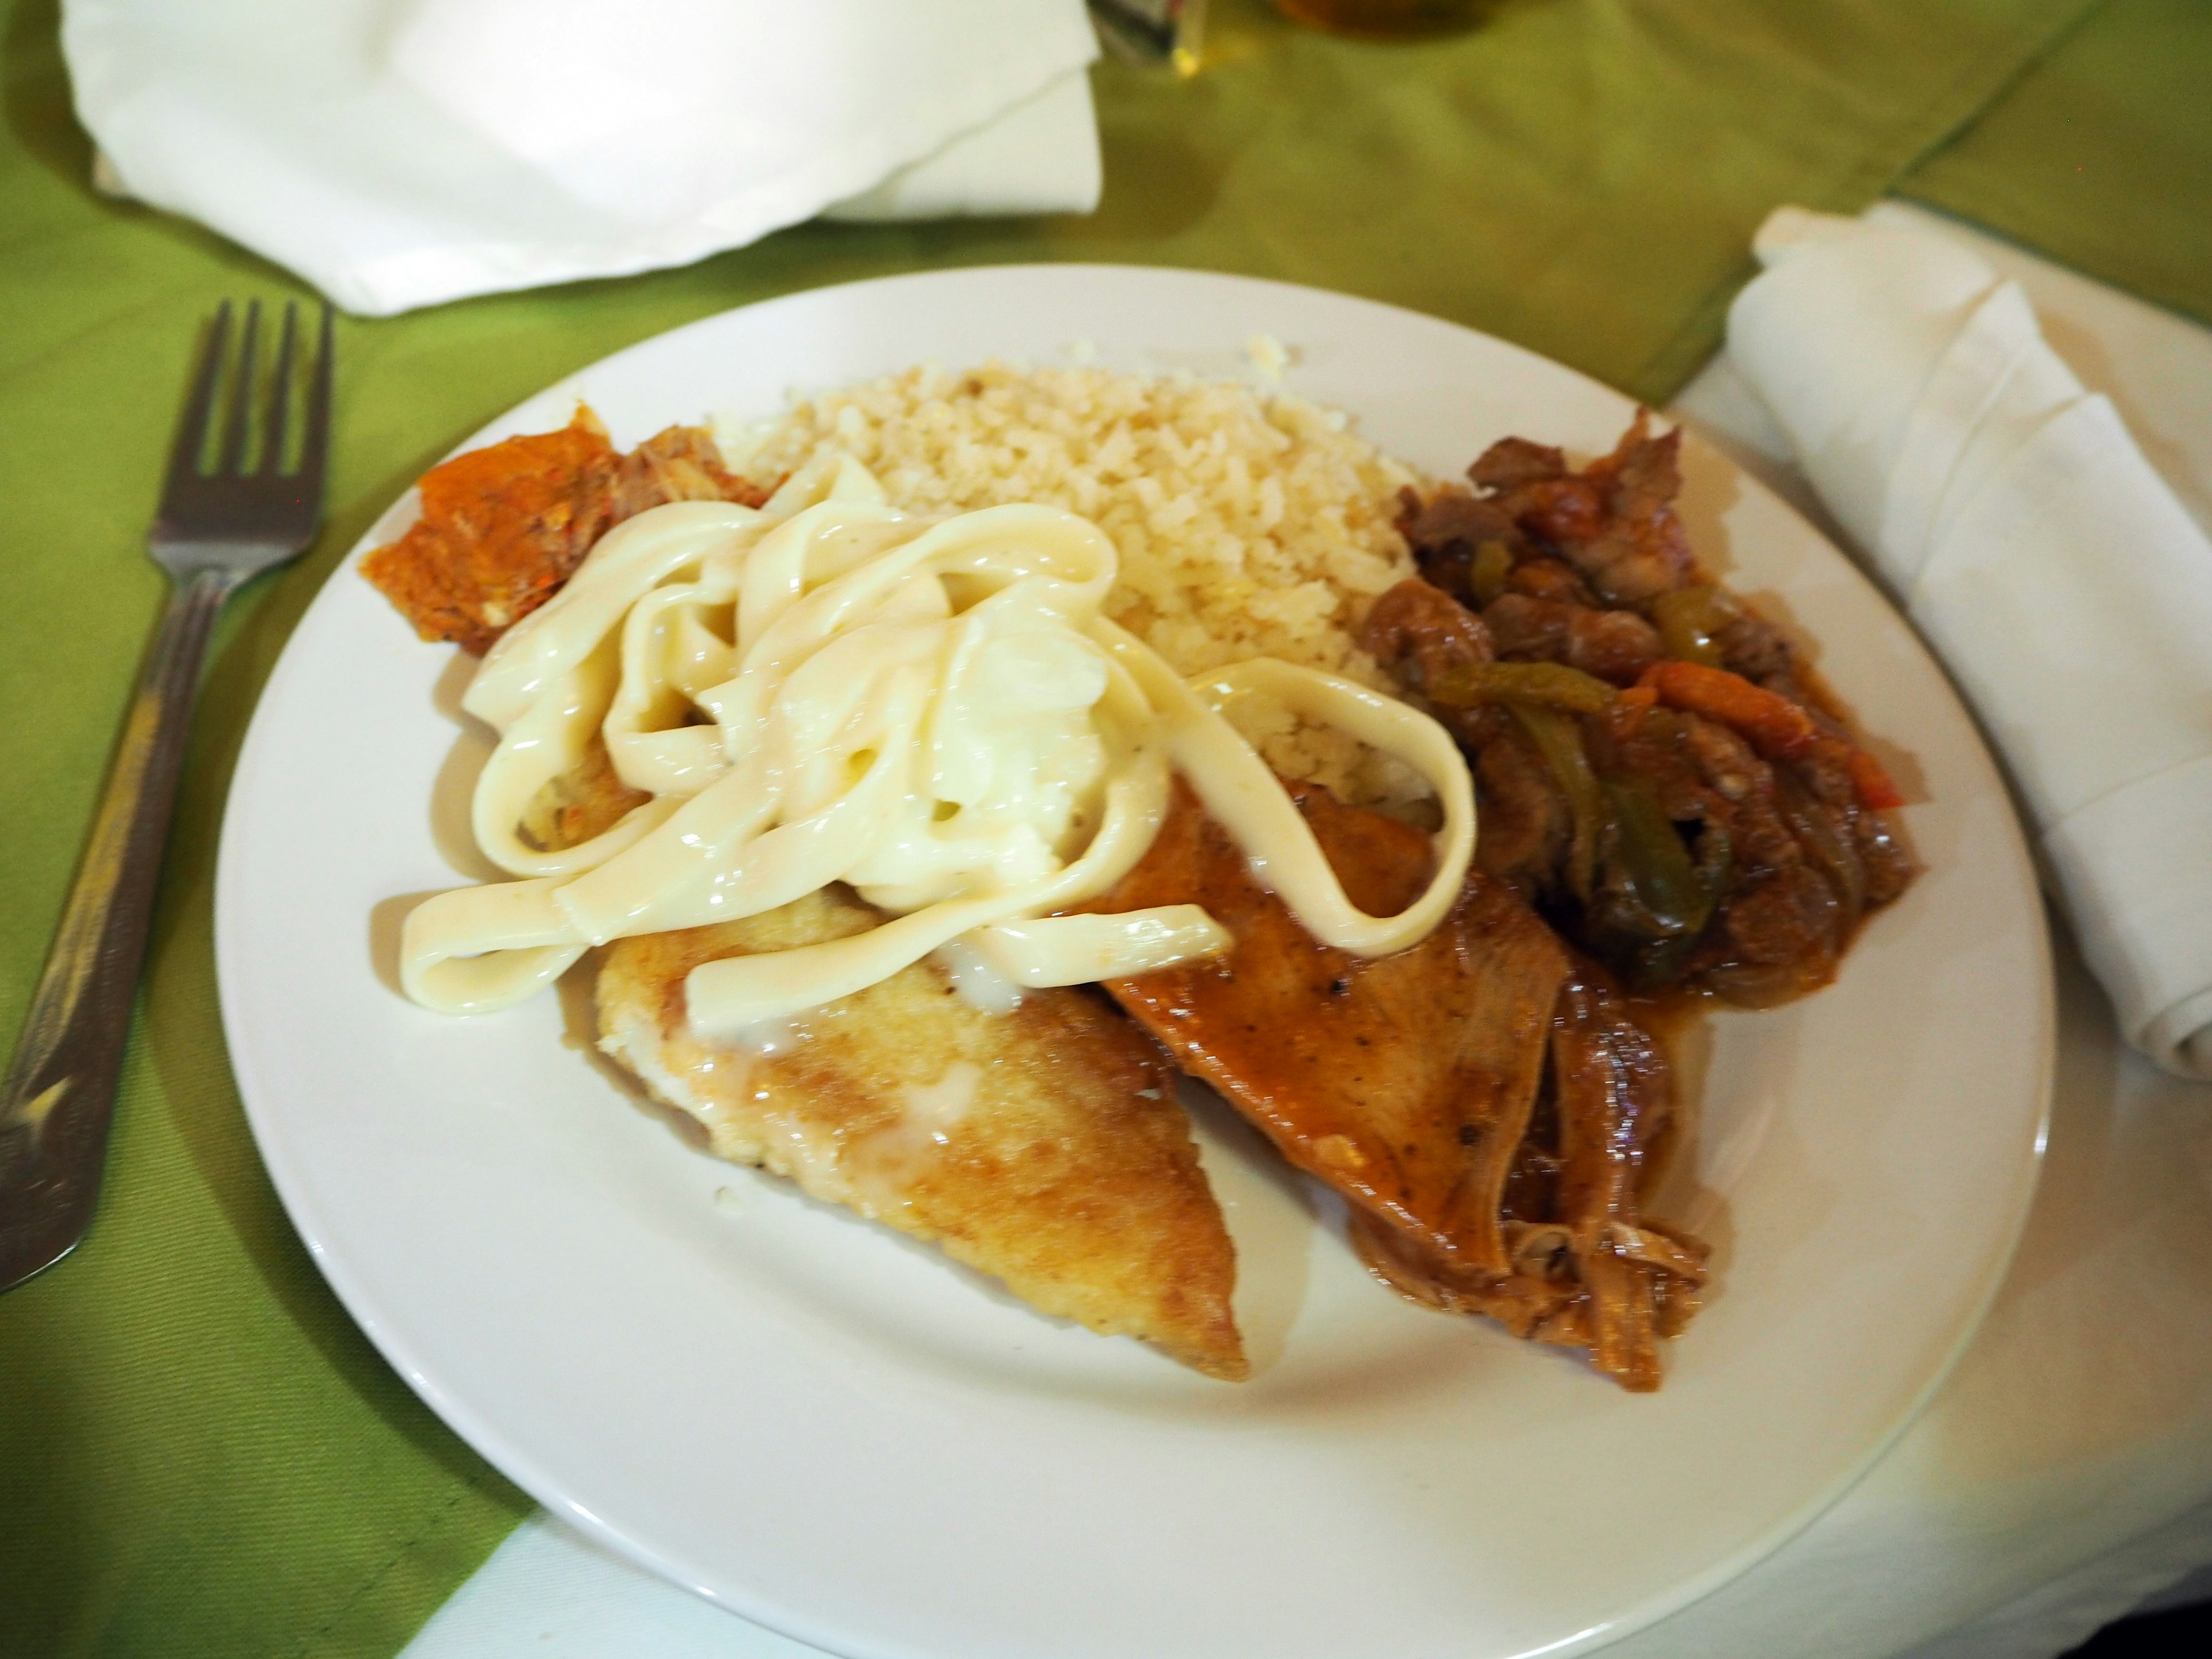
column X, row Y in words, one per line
column 843, row 1437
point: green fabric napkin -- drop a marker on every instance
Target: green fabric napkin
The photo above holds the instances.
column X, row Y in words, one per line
column 199, row 1454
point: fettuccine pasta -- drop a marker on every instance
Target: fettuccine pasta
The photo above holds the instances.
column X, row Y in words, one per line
column 936, row 712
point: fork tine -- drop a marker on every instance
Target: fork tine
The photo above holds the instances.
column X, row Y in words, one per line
column 241, row 396
column 280, row 408
column 315, row 446
column 199, row 402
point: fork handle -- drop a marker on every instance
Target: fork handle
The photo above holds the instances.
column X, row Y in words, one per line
column 60, row 1089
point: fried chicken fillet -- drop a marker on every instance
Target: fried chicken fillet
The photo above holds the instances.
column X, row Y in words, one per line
column 1043, row 1147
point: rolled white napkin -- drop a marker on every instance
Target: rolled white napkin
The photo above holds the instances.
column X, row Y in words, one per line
column 400, row 153
column 2067, row 590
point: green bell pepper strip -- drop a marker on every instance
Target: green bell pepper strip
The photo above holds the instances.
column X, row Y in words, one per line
column 1665, row 883
column 1486, row 572
column 1545, row 684
column 1687, row 618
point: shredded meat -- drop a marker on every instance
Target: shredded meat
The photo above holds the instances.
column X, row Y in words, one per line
column 1426, row 636
column 1614, row 1097
column 1582, row 1266
column 1485, row 1105
column 1449, row 532
column 504, row 526
column 678, row 463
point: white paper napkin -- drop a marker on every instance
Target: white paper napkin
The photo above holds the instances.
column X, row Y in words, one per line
column 400, row 153
column 2067, row 590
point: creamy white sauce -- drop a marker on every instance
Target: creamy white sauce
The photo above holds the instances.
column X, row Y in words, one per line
column 934, row 1110
column 980, row 985
column 880, row 1168
column 936, row 712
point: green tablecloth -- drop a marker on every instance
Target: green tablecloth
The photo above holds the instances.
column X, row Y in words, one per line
column 2101, row 154
column 200, row 1454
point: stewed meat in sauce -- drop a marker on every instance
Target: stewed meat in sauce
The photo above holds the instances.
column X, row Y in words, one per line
column 1657, row 772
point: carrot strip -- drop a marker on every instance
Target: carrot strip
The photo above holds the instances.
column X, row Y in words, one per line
column 1773, row 725
column 1629, row 710
column 1776, row 727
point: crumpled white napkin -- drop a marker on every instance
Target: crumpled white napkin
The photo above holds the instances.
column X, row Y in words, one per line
column 2067, row 590
column 400, row 153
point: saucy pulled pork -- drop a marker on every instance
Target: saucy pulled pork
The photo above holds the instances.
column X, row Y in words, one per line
column 1486, row 1103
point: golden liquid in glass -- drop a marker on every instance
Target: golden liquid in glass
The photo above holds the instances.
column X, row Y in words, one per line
column 1389, row 20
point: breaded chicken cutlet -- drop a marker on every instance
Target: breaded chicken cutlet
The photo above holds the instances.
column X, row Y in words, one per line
column 1043, row 1146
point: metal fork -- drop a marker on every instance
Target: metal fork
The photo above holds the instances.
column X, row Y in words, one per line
column 216, row 529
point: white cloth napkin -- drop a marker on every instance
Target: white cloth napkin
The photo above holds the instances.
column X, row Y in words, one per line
column 400, row 153
column 2066, row 589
